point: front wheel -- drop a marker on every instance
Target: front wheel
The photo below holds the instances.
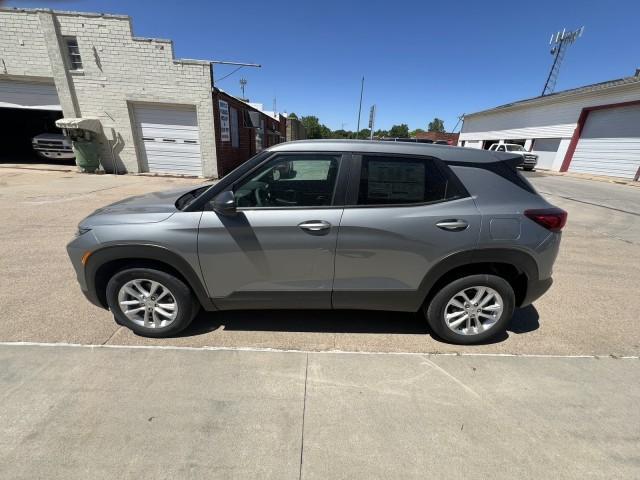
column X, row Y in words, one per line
column 150, row 302
column 471, row 309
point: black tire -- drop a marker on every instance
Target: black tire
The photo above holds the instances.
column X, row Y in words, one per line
column 187, row 305
column 435, row 311
column 528, row 169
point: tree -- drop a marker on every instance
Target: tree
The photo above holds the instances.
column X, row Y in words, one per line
column 364, row 134
column 399, row 131
column 414, row 133
column 380, row 133
column 436, row 125
column 292, row 115
column 312, row 126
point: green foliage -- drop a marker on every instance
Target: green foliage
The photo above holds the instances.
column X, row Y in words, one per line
column 364, row 134
column 381, row 133
column 414, row 133
column 312, row 126
column 292, row 115
column 399, row 131
column 436, row 125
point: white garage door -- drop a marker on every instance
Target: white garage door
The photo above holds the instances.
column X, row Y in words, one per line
column 29, row 95
column 546, row 149
column 169, row 138
column 610, row 143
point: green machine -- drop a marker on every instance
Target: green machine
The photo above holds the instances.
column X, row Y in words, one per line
column 84, row 134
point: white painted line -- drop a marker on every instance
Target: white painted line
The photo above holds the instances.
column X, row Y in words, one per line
column 278, row 350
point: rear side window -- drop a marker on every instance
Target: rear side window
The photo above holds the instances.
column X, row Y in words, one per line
column 396, row 180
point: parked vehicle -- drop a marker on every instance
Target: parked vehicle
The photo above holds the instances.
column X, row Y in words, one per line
column 454, row 232
column 529, row 160
column 53, row 146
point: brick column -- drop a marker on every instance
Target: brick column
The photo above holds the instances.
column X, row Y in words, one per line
column 61, row 75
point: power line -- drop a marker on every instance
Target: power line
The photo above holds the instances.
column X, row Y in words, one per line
column 228, row 75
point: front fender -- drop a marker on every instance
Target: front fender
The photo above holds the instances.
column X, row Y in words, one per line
column 123, row 252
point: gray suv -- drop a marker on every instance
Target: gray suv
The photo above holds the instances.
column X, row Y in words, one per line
column 455, row 232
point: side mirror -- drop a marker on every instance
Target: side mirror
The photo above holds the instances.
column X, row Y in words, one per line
column 225, row 203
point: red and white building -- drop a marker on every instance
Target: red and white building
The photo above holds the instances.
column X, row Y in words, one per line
column 593, row 129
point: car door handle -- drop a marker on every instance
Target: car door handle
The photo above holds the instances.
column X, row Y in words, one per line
column 452, row 225
column 315, row 225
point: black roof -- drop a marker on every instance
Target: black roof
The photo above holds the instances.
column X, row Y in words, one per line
column 443, row 152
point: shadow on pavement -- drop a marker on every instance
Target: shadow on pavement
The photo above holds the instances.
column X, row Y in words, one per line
column 338, row 321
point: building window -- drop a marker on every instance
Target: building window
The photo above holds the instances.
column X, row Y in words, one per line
column 73, row 52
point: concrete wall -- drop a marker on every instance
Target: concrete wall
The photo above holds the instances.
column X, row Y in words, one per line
column 119, row 71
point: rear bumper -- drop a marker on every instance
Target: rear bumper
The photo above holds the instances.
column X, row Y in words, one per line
column 535, row 290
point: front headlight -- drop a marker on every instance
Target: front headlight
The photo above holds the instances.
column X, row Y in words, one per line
column 82, row 231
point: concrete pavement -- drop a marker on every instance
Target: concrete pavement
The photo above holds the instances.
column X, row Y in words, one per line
column 591, row 309
column 117, row 412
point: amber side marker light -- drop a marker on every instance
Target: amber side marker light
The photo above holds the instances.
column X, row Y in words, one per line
column 85, row 257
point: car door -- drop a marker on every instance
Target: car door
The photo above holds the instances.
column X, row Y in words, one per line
column 278, row 250
column 402, row 216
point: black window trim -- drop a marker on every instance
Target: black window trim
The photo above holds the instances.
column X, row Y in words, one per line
column 337, row 201
column 356, row 170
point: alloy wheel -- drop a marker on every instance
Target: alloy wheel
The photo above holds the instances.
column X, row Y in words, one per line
column 148, row 303
column 473, row 310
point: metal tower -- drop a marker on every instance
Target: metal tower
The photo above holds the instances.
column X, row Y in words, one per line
column 559, row 43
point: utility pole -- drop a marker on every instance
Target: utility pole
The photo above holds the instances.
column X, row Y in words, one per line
column 560, row 41
column 360, row 107
column 243, row 83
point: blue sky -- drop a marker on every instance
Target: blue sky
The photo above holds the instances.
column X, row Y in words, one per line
column 420, row 59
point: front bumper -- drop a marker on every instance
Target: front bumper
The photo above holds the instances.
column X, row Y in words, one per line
column 76, row 248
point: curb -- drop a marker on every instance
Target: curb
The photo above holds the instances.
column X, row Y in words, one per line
column 596, row 178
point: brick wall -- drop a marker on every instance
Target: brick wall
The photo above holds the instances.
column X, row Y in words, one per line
column 230, row 157
column 119, row 71
column 452, row 138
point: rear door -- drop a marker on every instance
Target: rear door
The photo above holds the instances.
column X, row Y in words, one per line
column 403, row 215
column 279, row 250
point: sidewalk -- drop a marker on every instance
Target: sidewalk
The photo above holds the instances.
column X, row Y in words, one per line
column 80, row 412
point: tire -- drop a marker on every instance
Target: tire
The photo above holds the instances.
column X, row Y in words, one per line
column 492, row 320
column 166, row 315
column 528, row 169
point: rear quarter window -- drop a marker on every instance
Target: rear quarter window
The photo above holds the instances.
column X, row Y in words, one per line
column 398, row 180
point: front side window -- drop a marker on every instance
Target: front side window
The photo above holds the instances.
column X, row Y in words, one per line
column 387, row 180
column 73, row 53
column 291, row 181
column 515, row 148
column 500, row 148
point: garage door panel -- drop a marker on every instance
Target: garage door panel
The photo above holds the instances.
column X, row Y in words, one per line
column 170, row 138
column 609, row 143
column 29, row 95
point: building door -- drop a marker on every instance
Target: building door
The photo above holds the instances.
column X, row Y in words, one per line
column 169, row 139
column 609, row 143
column 546, row 149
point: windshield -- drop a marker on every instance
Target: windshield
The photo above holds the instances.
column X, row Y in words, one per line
column 514, row 148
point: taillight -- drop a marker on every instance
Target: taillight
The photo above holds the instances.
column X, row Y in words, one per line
column 553, row 219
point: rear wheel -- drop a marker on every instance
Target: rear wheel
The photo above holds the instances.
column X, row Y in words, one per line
column 471, row 309
column 150, row 302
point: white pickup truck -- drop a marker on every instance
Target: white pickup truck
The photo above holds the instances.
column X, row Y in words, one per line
column 530, row 160
column 53, row 146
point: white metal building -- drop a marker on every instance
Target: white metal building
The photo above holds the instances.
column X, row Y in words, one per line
column 592, row 129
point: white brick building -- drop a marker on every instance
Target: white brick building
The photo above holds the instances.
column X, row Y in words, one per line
column 156, row 111
column 592, row 129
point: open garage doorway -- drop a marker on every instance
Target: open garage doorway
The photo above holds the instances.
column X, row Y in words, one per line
column 29, row 109
column 19, row 127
